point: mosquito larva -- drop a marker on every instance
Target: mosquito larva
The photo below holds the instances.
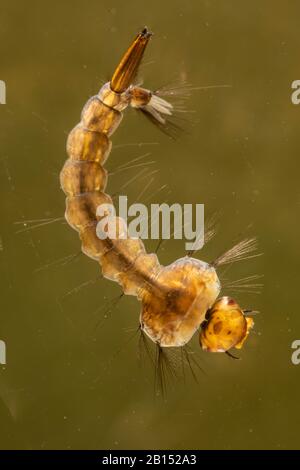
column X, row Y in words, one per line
column 176, row 299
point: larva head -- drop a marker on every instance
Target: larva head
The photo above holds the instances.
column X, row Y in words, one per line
column 225, row 326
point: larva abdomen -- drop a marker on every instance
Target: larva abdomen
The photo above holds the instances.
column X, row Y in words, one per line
column 96, row 116
column 81, row 209
column 91, row 245
column 79, row 177
column 84, row 144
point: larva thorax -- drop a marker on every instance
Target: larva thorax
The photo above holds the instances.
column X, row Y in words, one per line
column 188, row 289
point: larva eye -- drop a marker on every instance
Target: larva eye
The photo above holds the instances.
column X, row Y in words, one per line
column 226, row 327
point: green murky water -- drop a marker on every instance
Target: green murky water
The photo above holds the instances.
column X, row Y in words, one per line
column 68, row 383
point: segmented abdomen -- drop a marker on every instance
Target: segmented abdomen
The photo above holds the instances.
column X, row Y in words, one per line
column 83, row 179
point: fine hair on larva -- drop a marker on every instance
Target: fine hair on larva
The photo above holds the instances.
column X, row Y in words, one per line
column 178, row 300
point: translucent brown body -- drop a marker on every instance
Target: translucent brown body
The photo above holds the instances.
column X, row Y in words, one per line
column 174, row 298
